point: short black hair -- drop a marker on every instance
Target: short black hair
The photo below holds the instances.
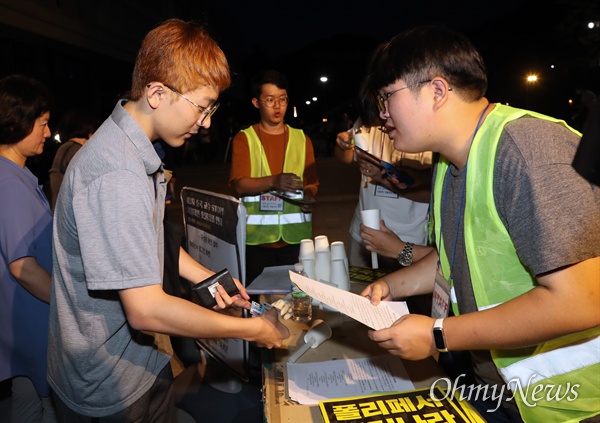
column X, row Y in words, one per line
column 23, row 99
column 422, row 53
column 270, row 76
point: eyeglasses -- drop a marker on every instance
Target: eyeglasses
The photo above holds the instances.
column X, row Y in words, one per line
column 382, row 98
column 270, row 101
column 207, row 111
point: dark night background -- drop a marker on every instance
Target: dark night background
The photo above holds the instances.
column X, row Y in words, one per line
column 304, row 40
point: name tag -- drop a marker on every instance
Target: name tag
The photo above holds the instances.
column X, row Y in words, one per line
column 384, row 192
column 440, row 305
column 270, row 203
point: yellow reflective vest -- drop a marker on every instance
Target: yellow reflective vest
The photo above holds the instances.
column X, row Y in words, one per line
column 558, row 380
column 292, row 224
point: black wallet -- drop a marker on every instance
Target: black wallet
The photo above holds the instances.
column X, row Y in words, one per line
column 203, row 293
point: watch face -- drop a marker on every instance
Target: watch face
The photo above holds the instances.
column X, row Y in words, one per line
column 438, row 337
column 405, row 260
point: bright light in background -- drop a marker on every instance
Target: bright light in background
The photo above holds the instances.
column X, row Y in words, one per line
column 314, row 99
column 295, row 112
column 570, row 102
column 591, row 25
column 323, row 79
column 532, row 78
column 307, row 101
column 324, row 120
column 551, row 66
column 57, row 138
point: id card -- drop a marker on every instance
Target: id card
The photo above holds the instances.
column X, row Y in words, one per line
column 257, row 309
column 384, row 192
column 270, row 203
column 440, row 304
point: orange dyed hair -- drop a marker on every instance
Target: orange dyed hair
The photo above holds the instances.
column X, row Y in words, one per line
column 182, row 55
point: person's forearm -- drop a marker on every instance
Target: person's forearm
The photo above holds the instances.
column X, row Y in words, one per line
column 252, row 186
column 33, row 277
column 190, row 269
column 566, row 301
column 417, row 279
column 420, row 251
column 344, row 156
column 149, row 308
column 396, row 245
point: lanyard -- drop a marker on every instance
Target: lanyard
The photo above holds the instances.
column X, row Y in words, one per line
column 460, row 207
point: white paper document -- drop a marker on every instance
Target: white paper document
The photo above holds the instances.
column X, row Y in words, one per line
column 309, row 383
column 359, row 308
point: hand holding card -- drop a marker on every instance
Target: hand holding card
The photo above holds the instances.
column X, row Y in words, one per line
column 203, row 293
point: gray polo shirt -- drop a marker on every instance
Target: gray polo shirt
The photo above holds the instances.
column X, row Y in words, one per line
column 108, row 236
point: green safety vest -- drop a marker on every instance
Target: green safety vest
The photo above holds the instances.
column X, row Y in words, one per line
column 292, row 224
column 565, row 367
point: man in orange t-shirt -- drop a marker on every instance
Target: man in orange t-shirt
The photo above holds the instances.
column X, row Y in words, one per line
column 274, row 172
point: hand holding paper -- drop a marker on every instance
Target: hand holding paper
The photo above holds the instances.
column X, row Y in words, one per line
column 355, row 306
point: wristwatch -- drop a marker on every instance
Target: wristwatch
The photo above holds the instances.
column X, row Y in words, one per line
column 438, row 335
column 405, row 258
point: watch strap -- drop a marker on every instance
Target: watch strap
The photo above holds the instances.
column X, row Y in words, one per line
column 438, row 335
column 405, row 258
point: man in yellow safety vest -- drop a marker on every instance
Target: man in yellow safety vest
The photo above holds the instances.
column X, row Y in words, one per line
column 273, row 170
column 515, row 229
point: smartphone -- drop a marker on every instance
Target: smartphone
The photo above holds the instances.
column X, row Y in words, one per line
column 393, row 172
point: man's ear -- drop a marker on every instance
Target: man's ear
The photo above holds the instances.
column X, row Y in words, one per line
column 441, row 91
column 154, row 93
column 255, row 102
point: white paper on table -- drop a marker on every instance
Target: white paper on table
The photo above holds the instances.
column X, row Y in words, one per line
column 359, row 308
column 309, row 383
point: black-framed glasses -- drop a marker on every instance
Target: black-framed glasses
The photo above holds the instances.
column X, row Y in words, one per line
column 270, row 102
column 206, row 111
column 382, row 98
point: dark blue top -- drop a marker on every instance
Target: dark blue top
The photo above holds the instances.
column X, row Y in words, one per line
column 25, row 230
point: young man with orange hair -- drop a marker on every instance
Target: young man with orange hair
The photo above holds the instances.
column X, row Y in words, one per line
column 107, row 296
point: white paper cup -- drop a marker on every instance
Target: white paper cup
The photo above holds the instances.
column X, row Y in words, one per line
column 338, row 250
column 339, row 275
column 309, row 267
column 321, row 243
column 372, row 219
column 322, row 265
column 307, row 250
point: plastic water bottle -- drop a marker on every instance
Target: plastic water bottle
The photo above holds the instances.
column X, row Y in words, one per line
column 301, row 302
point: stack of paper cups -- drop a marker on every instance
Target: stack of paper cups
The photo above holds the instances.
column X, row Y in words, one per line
column 372, row 219
column 338, row 252
column 339, row 276
column 307, row 257
column 322, row 258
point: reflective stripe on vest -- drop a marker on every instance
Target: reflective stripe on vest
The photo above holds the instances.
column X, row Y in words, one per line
column 292, row 225
column 497, row 276
column 552, row 362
